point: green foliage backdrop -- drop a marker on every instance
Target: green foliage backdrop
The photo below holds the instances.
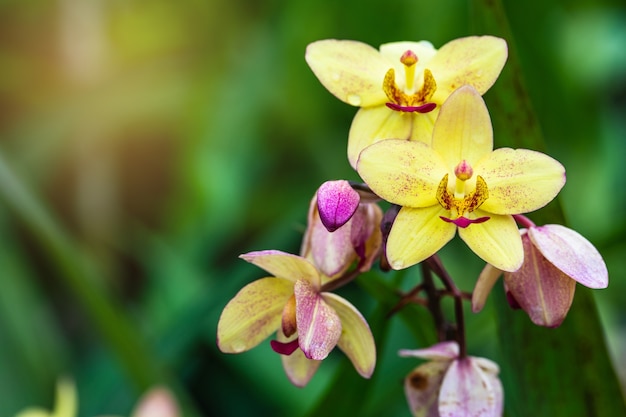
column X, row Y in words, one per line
column 145, row 144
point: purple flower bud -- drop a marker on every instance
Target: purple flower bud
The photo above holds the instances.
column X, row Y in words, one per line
column 336, row 201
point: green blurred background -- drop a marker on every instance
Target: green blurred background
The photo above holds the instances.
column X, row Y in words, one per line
column 145, row 144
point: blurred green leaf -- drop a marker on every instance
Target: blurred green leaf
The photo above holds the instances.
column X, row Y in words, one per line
column 546, row 372
column 557, row 372
column 78, row 272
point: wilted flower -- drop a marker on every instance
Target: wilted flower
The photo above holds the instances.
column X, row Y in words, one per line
column 309, row 322
column 341, row 228
column 459, row 183
column 555, row 258
column 400, row 87
column 449, row 386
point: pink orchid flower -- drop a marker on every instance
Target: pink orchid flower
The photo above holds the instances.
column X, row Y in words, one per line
column 448, row 385
column 555, row 259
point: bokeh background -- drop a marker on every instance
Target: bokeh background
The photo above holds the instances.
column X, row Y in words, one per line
column 145, row 144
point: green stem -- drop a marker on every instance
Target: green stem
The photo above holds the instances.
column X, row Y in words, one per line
column 436, row 266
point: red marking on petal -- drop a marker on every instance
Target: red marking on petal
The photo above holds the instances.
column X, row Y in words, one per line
column 512, row 301
column 424, row 108
column 464, row 222
column 284, row 348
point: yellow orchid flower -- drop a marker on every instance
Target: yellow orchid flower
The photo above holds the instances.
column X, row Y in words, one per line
column 309, row 322
column 401, row 86
column 459, row 183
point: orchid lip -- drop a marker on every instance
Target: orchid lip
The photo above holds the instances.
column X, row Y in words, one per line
column 284, row 348
column 424, row 108
column 464, row 222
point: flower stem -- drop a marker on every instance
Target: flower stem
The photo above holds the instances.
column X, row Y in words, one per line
column 523, row 220
column 408, row 298
column 434, row 264
column 342, row 280
column 434, row 302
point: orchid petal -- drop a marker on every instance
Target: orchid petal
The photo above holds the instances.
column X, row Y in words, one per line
column 509, row 297
column 288, row 321
column 253, row 314
column 543, row 291
column 463, row 129
column 486, row 280
column 352, row 71
column 299, row 368
column 440, row 352
column 519, row 180
column 421, row 388
column 416, row 234
column 373, row 124
column 372, row 216
column 284, row 265
column 356, row 340
column 158, row 402
column 66, row 401
column 361, row 228
column 319, row 326
column 467, row 391
column 34, row 412
column 313, row 218
column 474, row 60
column 497, row 241
column 423, row 124
column 332, row 252
column 422, row 108
column 496, row 386
column 284, row 348
column 402, row 172
column 486, row 365
column 570, row 252
column 336, row 201
column 490, row 372
column 393, row 51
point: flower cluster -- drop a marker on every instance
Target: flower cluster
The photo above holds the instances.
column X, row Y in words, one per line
column 422, row 141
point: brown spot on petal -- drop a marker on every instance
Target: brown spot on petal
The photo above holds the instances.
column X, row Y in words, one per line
column 418, row 381
column 289, row 317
